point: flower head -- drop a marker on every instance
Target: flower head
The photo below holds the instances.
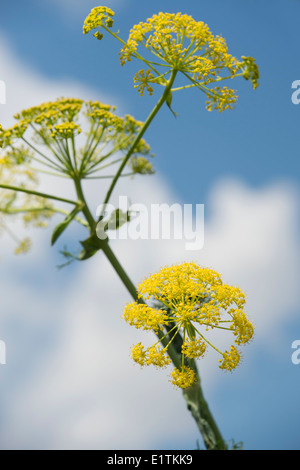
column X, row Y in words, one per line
column 147, row 318
column 183, row 378
column 143, row 79
column 183, row 43
column 191, row 300
column 45, row 139
column 98, row 17
column 52, row 127
column 179, row 44
column 154, row 355
column 141, row 165
column 231, row 359
column 65, row 130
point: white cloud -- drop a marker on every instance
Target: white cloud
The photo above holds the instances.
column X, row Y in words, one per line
column 69, row 382
column 26, row 88
column 84, row 391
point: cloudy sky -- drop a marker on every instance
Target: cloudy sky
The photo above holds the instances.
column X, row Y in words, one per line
column 68, row 381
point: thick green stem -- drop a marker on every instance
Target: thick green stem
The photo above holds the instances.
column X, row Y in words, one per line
column 120, row 271
column 200, row 411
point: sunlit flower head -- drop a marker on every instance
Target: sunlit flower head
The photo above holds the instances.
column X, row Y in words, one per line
column 179, row 44
column 183, row 378
column 98, row 17
column 192, row 300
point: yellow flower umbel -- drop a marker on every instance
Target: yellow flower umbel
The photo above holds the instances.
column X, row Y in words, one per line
column 179, row 44
column 190, row 300
column 51, row 128
column 99, row 16
column 45, row 139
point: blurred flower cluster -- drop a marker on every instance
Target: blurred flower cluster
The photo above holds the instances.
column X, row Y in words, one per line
column 67, row 138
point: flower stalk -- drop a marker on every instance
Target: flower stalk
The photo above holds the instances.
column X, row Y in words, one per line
column 182, row 46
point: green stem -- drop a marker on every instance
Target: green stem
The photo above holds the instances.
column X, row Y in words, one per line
column 107, row 176
column 142, row 131
column 14, row 211
column 200, row 411
column 37, row 193
column 134, row 54
column 134, row 294
column 51, row 164
column 121, row 272
column 46, row 172
column 85, row 209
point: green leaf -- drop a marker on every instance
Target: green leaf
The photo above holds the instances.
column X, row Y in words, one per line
column 70, row 258
column 61, row 227
column 169, row 102
column 90, row 246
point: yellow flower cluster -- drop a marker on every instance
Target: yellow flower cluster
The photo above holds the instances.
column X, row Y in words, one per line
column 188, row 46
column 65, row 130
column 250, row 71
column 65, row 109
column 179, row 43
column 142, row 80
column 231, row 359
column 98, row 17
column 54, row 121
column 48, row 117
column 141, row 165
column 183, row 378
column 155, row 355
column 43, row 140
column 191, row 298
column 7, row 136
column 142, row 316
column 194, row 348
column 23, row 246
column 241, row 326
column 183, row 43
column 103, row 114
column 221, row 99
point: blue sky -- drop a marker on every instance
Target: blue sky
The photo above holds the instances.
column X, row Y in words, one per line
column 264, row 123
column 256, row 144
